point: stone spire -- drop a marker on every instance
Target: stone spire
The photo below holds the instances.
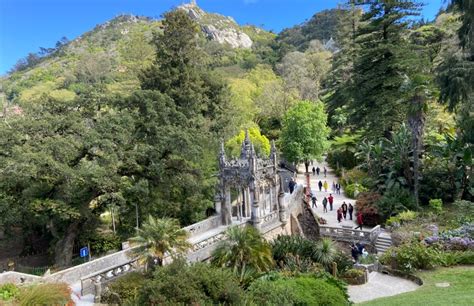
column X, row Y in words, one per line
column 222, row 154
column 273, row 151
column 246, row 146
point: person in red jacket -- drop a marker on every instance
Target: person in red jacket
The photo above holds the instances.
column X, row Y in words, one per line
column 360, row 220
column 331, row 200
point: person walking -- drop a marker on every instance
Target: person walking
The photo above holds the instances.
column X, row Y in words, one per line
column 291, row 185
column 313, row 200
column 325, row 205
column 350, row 209
column 331, row 201
column 333, row 186
column 360, row 220
column 318, row 170
column 338, row 188
column 325, row 171
column 314, row 171
column 354, row 252
column 344, row 210
column 325, row 185
column 339, row 215
column 320, row 185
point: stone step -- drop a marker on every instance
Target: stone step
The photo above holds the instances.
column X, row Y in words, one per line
column 384, row 243
column 384, row 239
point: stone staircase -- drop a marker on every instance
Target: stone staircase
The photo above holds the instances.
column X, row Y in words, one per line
column 383, row 242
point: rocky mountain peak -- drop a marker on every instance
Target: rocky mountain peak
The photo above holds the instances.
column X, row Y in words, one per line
column 217, row 27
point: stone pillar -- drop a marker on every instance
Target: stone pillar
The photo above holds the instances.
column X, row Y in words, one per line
column 217, row 203
column 226, row 209
column 255, row 208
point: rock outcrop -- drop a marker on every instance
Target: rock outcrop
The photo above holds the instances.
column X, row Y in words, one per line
column 218, row 27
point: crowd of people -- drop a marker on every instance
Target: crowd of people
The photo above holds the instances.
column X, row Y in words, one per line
column 344, row 212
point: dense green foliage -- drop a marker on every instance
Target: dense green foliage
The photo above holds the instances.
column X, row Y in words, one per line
column 159, row 237
column 302, row 290
column 200, row 283
column 304, row 132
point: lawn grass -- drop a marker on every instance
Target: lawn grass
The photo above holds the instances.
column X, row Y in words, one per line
column 460, row 291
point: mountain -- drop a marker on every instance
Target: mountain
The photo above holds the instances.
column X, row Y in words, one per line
column 113, row 54
column 323, row 26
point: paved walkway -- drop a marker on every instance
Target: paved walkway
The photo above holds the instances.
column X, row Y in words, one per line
column 380, row 285
column 330, row 216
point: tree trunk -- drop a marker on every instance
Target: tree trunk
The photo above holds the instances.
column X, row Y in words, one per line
column 64, row 247
column 416, row 122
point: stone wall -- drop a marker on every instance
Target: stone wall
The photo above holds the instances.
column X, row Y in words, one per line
column 74, row 274
column 18, row 278
column 203, row 226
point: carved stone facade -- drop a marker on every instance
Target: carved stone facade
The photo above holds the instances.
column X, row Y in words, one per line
column 249, row 187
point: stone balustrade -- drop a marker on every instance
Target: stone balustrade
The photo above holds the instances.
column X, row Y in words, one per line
column 349, row 234
column 203, row 226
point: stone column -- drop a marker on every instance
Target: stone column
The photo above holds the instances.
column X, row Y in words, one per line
column 226, row 207
column 255, row 208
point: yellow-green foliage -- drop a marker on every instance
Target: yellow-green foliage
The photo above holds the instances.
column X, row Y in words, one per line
column 36, row 92
column 260, row 142
column 62, row 95
column 403, row 217
column 45, row 294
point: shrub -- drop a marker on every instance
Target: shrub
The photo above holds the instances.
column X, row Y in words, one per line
column 45, row 294
column 284, row 245
column 436, row 205
column 366, row 205
column 200, row 283
column 354, row 276
column 401, row 218
column 8, row 292
column 354, row 189
column 411, row 256
column 395, row 201
column 448, row 259
column 369, row 259
column 304, row 290
column 356, row 176
column 126, row 287
column 343, row 262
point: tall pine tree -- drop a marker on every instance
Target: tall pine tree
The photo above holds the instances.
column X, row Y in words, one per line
column 378, row 68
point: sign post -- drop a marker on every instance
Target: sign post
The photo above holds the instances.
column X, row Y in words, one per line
column 84, row 252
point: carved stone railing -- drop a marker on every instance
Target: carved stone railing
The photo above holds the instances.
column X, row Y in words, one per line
column 347, row 233
column 374, row 233
column 90, row 282
column 271, row 217
column 203, row 226
column 344, row 233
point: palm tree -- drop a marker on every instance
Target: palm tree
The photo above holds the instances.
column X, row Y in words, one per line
column 243, row 250
column 158, row 237
column 325, row 252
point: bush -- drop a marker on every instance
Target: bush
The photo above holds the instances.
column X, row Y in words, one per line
column 8, row 292
column 395, row 201
column 45, row 294
column 343, row 159
column 354, row 276
column 449, row 259
column 366, row 204
column 304, row 290
column 126, row 287
column 436, row 205
column 354, row 189
column 285, row 245
column 356, row 176
column 411, row 256
column 401, row 218
column 369, row 259
column 200, row 283
column 343, row 262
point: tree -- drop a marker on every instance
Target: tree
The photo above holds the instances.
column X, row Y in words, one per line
column 378, row 68
column 243, row 250
column 159, row 237
column 304, row 132
column 260, row 142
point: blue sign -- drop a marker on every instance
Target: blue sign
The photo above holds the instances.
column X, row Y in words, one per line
column 84, row 252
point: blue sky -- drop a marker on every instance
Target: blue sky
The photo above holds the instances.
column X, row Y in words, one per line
column 26, row 25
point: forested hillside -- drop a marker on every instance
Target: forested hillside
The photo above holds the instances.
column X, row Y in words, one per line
column 125, row 121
